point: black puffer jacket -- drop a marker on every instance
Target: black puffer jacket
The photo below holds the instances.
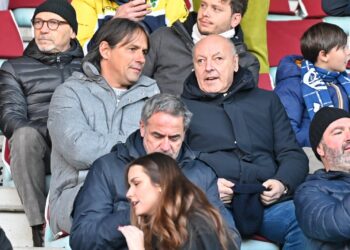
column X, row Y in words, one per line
column 27, row 84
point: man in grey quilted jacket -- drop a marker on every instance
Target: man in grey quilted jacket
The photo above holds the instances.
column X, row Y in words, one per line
column 26, row 86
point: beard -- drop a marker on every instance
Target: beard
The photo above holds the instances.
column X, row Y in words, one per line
column 338, row 159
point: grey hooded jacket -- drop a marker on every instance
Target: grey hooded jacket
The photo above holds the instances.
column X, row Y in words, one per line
column 86, row 119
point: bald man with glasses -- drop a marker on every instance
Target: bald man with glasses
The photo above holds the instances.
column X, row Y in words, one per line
column 26, row 86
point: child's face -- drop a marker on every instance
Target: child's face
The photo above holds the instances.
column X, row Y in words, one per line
column 336, row 59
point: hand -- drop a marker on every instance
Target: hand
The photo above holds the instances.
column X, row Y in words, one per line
column 225, row 190
column 134, row 237
column 135, row 10
column 275, row 190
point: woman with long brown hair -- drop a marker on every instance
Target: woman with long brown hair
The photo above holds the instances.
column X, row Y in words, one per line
column 168, row 211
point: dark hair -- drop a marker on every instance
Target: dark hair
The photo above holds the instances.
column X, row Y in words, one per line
column 179, row 199
column 321, row 36
column 166, row 103
column 238, row 6
column 113, row 32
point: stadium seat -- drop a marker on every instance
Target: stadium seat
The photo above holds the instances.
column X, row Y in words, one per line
column 283, row 7
column 265, row 81
column 283, row 38
column 15, row 4
column 312, row 9
column 11, row 45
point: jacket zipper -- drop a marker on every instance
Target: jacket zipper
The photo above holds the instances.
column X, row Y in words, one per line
column 339, row 95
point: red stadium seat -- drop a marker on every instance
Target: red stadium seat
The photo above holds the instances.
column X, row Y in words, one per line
column 15, row 4
column 11, row 45
column 283, row 38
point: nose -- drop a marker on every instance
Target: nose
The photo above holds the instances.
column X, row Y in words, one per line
column 45, row 28
column 209, row 65
column 347, row 51
column 130, row 193
column 165, row 145
column 205, row 11
column 347, row 135
column 141, row 57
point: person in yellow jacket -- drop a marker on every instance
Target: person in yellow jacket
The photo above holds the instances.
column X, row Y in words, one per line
column 91, row 14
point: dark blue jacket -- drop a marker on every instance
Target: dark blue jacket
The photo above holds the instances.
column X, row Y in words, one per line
column 101, row 205
column 244, row 134
column 288, row 88
column 323, row 209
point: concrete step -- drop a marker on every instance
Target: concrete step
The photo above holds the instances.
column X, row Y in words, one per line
column 12, row 218
column 16, row 228
column 9, row 200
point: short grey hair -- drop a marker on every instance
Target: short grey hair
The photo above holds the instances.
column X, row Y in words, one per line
column 166, row 103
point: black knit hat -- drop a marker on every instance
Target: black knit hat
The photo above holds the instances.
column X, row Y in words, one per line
column 61, row 8
column 322, row 119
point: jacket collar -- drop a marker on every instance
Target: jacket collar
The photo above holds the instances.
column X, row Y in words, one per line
column 92, row 74
column 321, row 174
column 135, row 148
column 186, row 28
column 75, row 51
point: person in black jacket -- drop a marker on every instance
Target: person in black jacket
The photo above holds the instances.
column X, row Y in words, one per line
column 101, row 205
column 336, row 8
column 322, row 202
column 169, row 211
column 169, row 60
column 243, row 132
column 4, row 241
column 26, row 86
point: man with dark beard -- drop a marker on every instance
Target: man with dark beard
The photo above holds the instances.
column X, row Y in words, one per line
column 323, row 201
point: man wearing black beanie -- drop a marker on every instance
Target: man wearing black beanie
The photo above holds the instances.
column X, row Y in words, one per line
column 323, row 201
column 26, row 86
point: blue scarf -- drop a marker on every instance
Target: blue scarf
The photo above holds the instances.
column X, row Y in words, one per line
column 314, row 88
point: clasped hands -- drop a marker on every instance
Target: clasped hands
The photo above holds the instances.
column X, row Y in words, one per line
column 274, row 191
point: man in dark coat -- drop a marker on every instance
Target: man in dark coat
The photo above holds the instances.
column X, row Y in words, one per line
column 323, row 201
column 169, row 60
column 26, row 86
column 244, row 134
column 101, row 205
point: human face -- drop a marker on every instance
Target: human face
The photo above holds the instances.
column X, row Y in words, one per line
column 143, row 193
column 163, row 133
column 53, row 41
column 337, row 59
column 122, row 64
column 334, row 148
column 215, row 17
column 214, row 64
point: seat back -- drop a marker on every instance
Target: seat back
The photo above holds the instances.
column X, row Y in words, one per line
column 15, row 4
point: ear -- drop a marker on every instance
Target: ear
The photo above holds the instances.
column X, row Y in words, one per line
column 142, row 128
column 73, row 35
column 235, row 19
column 236, row 62
column 322, row 57
column 105, row 50
column 320, row 150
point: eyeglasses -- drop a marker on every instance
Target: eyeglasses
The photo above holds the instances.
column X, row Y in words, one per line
column 52, row 24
